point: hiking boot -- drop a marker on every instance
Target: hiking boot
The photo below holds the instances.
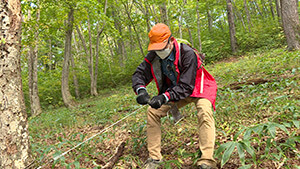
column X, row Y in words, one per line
column 152, row 164
column 204, row 166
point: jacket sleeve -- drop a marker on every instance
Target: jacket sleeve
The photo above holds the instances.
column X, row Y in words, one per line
column 186, row 83
column 142, row 76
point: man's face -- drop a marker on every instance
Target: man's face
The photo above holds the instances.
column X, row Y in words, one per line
column 164, row 53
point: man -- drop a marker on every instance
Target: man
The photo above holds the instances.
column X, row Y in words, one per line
column 180, row 80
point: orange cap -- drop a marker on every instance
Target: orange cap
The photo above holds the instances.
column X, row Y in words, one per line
column 159, row 36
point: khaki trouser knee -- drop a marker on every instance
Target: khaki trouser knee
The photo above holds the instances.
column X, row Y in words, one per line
column 206, row 129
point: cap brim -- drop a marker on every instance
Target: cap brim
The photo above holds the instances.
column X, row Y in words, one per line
column 157, row 46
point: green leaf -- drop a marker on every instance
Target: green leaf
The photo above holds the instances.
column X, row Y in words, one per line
column 241, row 152
column 272, row 130
column 222, row 148
column 250, row 150
column 76, row 164
column 228, row 153
column 296, row 123
column 238, row 134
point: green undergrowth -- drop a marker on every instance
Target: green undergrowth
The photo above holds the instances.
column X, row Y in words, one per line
column 257, row 121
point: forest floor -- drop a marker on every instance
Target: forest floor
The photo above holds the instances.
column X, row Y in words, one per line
column 257, row 121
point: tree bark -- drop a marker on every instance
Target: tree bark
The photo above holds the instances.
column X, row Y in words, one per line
column 50, row 55
column 66, row 95
column 93, row 82
column 154, row 14
column 238, row 14
column 278, row 9
column 134, row 28
column 164, row 14
column 209, row 20
column 121, row 47
column 14, row 144
column 272, row 8
column 198, row 27
column 232, row 31
column 88, row 56
column 35, row 105
column 75, row 80
column 248, row 16
column 190, row 35
column 290, row 23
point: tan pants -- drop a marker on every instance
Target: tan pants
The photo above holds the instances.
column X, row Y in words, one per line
column 206, row 129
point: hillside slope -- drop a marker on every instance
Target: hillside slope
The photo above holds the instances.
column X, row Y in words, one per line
column 257, row 112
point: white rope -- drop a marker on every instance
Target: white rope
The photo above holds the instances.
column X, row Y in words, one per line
column 102, row 131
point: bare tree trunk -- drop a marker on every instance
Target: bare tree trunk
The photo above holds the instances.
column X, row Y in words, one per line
column 278, row 9
column 238, row 14
column 198, row 27
column 50, row 55
column 180, row 18
column 93, row 83
column 35, row 105
column 134, row 28
column 90, row 67
column 190, row 35
column 164, row 14
column 112, row 56
column 121, row 47
column 248, row 16
column 97, row 52
column 66, row 95
column 147, row 18
column 290, row 23
column 263, row 8
column 209, row 20
column 257, row 8
column 153, row 12
column 14, row 144
column 76, row 84
column 272, row 8
column 233, row 40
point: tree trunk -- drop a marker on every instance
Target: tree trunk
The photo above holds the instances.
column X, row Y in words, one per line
column 66, row 95
column 257, row 8
column 209, row 20
column 248, row 16
column 75, row 80
column 180, row 18
column 198, row 27
column 278, row 9
column 233, row 40
column 154, row 14
column 164, row 14
column 121, row 47
column 93, row 82
column 35, row 105
column 97, row 53
column 90, row 65
column 190, row 35
column 147, row 17
column 272, row 9
column 238, row 14
column 50, row 55
column 290, row 23
column 14, row 144
column 134, row 28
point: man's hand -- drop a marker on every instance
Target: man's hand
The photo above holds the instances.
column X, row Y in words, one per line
column 143, row 97
column 157, row 101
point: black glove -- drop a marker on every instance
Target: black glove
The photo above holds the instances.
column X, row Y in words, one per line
column 143, row 97
column 157, row 101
